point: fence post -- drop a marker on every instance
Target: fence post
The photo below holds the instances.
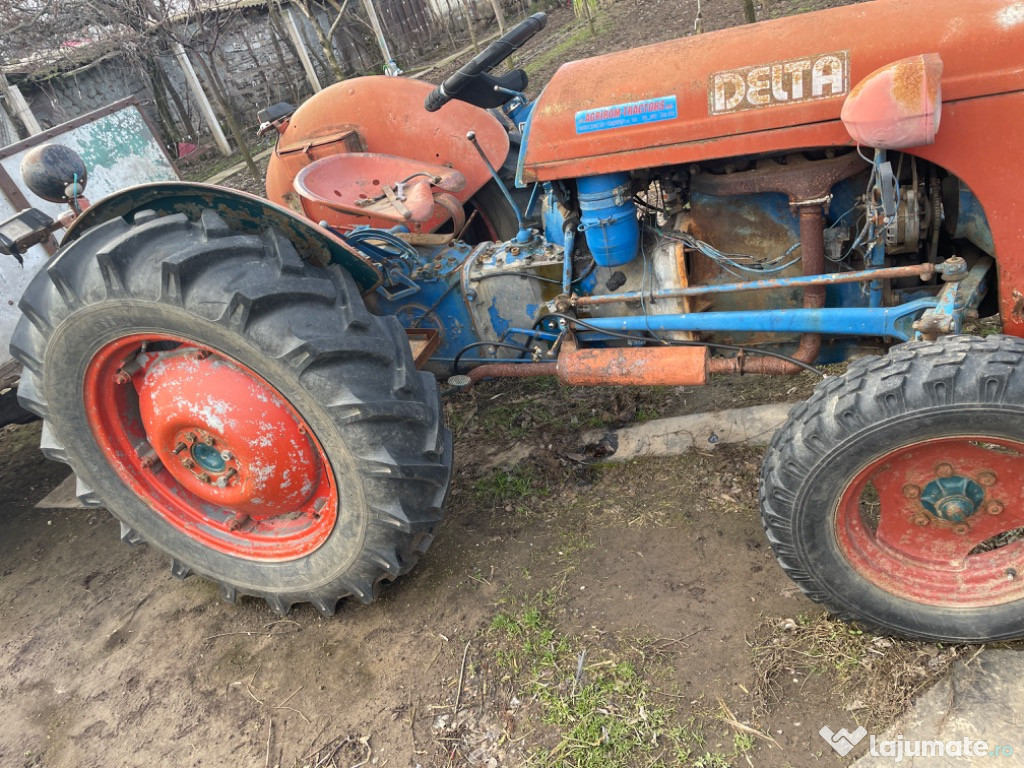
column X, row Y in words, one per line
column 19, row 106
column 209, row 116
column 390, row 67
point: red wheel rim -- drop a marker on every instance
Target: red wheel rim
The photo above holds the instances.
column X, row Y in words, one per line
column 211, row 447
column 944, row 524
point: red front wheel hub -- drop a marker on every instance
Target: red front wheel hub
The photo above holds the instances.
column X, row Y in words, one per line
column 211, row 447
column 940, row 522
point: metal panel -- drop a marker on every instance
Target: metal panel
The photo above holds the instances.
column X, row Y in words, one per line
column 120, row 148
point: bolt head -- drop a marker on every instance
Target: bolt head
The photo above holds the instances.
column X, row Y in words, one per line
column 944, row 470
column 121, row 378
column 960, row 529
column 203, row 477
column 222, row 482
column 190, row 438
column 986, row 478
column 911, row 491
column 994, row 507
column 208, row 440
column 226, row 455
column 188, row 463
column 921, row 520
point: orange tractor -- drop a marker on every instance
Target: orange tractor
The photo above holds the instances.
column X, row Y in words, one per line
column 250, row 386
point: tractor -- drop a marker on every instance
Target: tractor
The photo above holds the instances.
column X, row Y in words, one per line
column 251, row 386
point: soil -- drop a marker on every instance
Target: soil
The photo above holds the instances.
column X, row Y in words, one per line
column 110, row 661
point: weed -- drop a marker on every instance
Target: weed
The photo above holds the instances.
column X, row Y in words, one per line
column 503, row 485
column 599, row 703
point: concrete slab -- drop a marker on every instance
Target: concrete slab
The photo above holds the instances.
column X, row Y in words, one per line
column 982, row 699
column 62, row 497
column 670, row 437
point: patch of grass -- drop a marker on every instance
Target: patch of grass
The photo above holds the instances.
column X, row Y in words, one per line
column 557, row 52
column 599, row 703
column 880, row 675
column 504, row 485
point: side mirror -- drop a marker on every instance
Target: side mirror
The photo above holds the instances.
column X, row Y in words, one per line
column 54, row 172
column 897, row 106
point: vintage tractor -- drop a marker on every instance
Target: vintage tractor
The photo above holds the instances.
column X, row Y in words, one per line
column 249, row 386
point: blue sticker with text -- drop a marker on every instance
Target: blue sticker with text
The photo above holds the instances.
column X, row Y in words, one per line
column 621, row 115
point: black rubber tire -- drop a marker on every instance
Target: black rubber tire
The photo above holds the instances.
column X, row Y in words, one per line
column 306, row 331
column 960, row 385
column 491, row 204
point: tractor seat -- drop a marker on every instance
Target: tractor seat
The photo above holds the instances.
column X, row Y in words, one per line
column 380, row 186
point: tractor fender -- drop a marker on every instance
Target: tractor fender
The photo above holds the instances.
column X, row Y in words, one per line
column 241, row 211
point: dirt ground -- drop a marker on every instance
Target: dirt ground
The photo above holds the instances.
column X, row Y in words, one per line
column 567, row 606
column 659, row 564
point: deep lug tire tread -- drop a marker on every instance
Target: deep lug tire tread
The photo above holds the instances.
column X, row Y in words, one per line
column 311, row 320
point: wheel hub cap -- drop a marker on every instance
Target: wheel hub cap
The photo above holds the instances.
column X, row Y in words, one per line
column 940, row 522
column 244, row 447
column 210, row 447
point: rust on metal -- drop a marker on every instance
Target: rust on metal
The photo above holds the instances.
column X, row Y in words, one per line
column 423, row 342
column 1018, row 306
column 800, row 178
column 512, row 371
column 637, row 366
column 822, row 76
column 812, row 238
column 831, row 278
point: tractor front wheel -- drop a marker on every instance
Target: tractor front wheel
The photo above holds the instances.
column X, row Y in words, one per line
column 236, row 408
column 895, row 495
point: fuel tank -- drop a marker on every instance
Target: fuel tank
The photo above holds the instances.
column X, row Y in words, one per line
column 761, row 87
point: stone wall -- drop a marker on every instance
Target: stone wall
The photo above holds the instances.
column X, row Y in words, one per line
column 256, row 59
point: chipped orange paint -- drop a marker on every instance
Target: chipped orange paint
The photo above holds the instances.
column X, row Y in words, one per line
column 625, row 366
column 980, row 139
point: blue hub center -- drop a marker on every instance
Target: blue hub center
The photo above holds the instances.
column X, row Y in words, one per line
column 208, row 457
column 952, row 499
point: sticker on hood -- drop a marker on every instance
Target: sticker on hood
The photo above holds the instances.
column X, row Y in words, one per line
column 631, row 113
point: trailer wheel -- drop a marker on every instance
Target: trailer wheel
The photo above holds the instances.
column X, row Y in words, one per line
column 895, row 495
column 236, row 408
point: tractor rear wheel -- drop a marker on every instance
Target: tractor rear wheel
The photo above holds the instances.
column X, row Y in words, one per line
column 895, row 495
column 236, row 408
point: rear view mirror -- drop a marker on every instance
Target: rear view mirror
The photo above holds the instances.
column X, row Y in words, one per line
column 897, row 106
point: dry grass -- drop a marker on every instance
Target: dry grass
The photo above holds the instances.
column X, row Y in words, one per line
column 878, row 677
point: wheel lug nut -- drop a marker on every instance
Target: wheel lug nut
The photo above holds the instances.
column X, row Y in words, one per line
column 190, row 438
column 921, row 520
column 203, row 477
column 237, row 521
column 960, row 529
column 179, row 448
column 188, row 463
column 223, row 480
column 911, row 491
column 1011, row 574
column 208, row 440
column 226, row 455
column 122, row 377
column 944, row 470
column 987, row 479
column 994, row 507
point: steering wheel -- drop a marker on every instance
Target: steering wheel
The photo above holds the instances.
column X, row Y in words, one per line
column 485, row 61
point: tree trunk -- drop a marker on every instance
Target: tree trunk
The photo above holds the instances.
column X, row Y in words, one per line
column 179, row 105
column 219, row 94
column 305, row 7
